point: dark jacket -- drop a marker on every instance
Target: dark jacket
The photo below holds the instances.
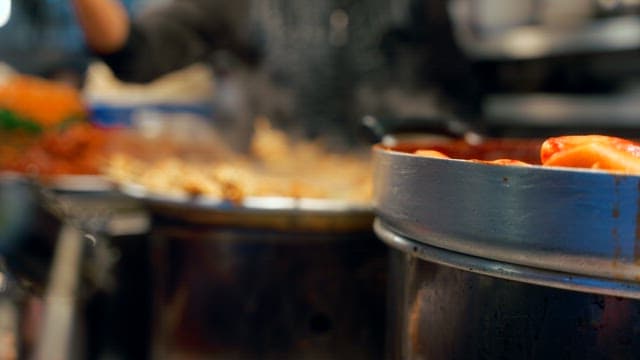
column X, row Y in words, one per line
column 322, row 64
column 178, row 34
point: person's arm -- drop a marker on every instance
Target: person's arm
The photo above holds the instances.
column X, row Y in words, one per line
column 105, row 24
column 165, row 39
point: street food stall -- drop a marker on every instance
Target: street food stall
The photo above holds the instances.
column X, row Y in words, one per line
column 269, row 253
column 408, row 180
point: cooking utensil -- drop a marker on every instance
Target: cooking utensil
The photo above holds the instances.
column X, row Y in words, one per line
column 445, row 304
column 240, row 292
column 581, row 222
column 492, row 261
column 267, row 277
column 394, row 131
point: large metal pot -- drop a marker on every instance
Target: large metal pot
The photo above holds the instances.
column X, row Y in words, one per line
column 507, row 261
column 447, row 305
column 267, row 279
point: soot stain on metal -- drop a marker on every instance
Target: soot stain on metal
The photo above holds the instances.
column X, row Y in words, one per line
column 615, row 213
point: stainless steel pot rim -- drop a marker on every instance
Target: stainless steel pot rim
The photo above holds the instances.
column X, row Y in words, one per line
column 514, row 168
column 568, row 220
column 254, row 204
column 507, row 271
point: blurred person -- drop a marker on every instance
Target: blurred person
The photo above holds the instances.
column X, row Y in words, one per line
column 302, row 63
column 43, row 40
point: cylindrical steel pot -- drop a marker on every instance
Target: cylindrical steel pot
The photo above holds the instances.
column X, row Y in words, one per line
column 507, row 262
column 264, row 280
column 446, row 305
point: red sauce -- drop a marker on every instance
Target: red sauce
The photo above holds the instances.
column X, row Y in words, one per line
column 525, row 150
column 79, row 149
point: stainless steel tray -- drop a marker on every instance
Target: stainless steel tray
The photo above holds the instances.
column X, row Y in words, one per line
column 280, row 213
column 575, row 221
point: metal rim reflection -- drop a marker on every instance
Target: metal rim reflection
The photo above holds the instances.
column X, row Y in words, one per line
column 507, row 271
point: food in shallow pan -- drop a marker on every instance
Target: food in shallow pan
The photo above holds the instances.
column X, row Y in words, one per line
column 37, row 103
column 277, row 166
column 598, row 152
column 45, row 129
column 76, row 150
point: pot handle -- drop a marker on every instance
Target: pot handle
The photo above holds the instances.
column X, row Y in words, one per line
column 387, row 130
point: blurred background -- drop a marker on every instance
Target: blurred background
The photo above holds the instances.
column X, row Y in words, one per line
column 42, row 37
column 504, row 68
column 506, row 63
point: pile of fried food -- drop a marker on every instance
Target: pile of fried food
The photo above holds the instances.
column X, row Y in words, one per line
column 598, row 152
column 277, row 166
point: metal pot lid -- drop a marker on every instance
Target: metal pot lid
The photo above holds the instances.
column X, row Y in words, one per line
column 570, row 220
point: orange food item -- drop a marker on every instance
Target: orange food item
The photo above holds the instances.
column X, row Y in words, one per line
column 439, row 155
column 79, row 149
column 502, row 162
column 601, row 152
column 558, row 144
column 592, row 152
column 44, row 129
column 43, row 101
column 431, row 153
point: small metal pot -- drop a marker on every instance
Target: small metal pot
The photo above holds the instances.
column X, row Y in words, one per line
column 271, row 279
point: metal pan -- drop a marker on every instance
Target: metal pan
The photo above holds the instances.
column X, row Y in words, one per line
column 569, row 220
column 301, row 278
column 276, row 213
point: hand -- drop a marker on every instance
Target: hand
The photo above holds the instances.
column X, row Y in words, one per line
column 105, row 24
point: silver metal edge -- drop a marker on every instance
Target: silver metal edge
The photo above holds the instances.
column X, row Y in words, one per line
column 539, row 168
column 262, row 204
column 505, row 270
